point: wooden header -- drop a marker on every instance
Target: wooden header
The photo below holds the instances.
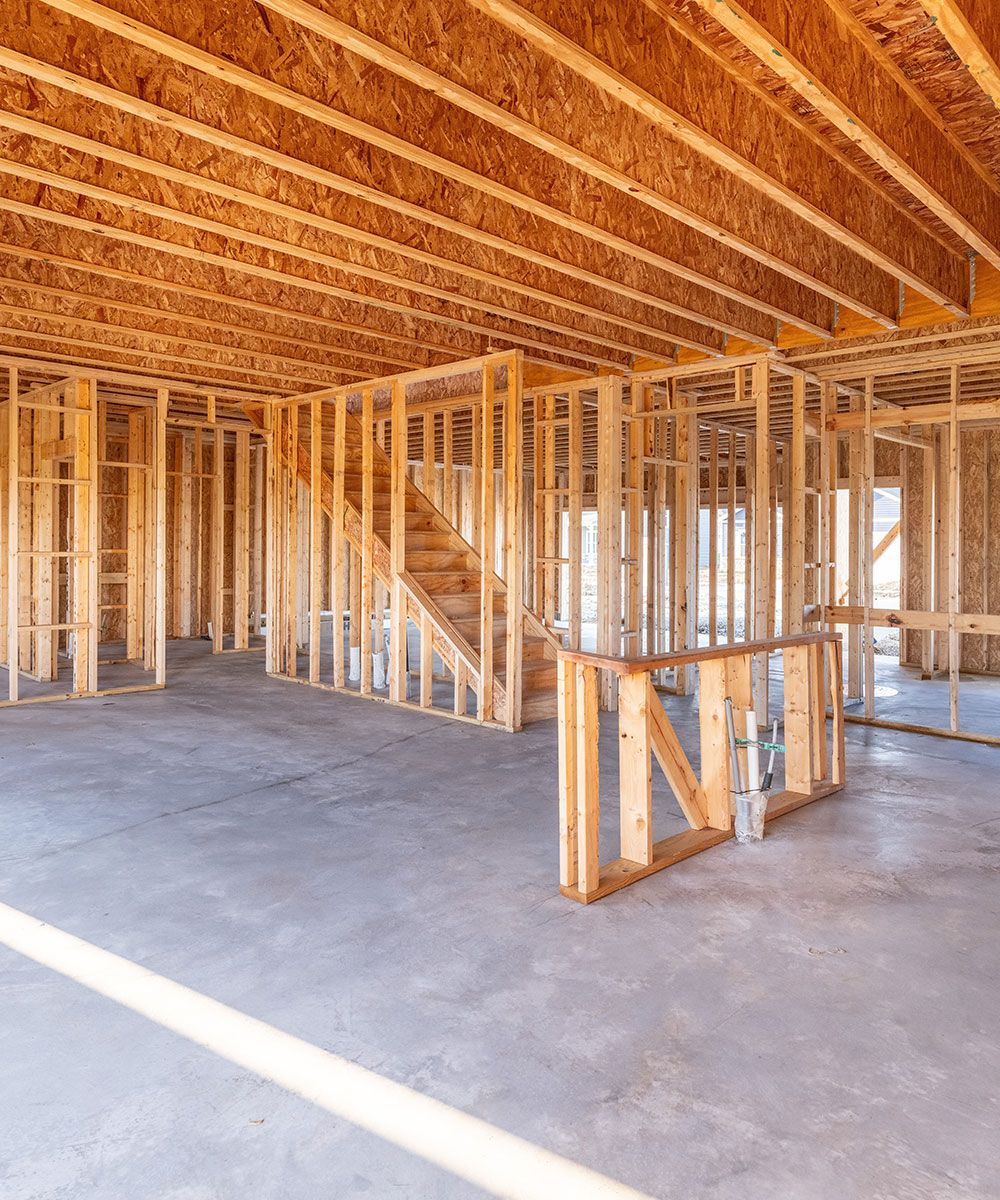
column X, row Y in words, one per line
column 682, row 658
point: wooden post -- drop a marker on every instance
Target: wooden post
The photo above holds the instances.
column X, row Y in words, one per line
column 772, row 561
column 198, row 516
column 448, row 466
column 44, row 542
column 397, row 543
column 538, row 506
column 367, row 535
column 88, row 389
column 760, row 384
column 548, row 511
column 13, row 492
column 854, row 558
column 85, row 486
column 575, row 451
column 257, row 539
column 513, row 575
column 135, row 537
column 427, row 475
column 635, row 769
column 927, row 564
column 798, row 725
column 713, row 536
column 795, row 520
column 5, row 409
column 868, row 542
column 217, row 565
column 684, row 536
column 160, row 536
column 568, row 784
column 315, row 531
column 731, row 541
column 241, row 543
column 290, row 558
column 587, row 780
column 609, row 509
column 713, row 688
column 835, row 670
column 270, row 539
column 184, row 491
column 954, row 550
column 817, row 708
column 632, row 577
column 487, row 550
column 337, row 546
column 749, row 473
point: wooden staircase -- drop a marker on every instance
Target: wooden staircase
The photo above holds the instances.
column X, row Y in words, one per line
column 441, row 578
column 446, row 570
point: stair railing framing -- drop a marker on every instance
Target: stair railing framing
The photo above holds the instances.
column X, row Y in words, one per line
column 308, row 435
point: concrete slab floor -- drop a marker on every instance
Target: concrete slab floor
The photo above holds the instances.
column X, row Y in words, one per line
column 811, row 1018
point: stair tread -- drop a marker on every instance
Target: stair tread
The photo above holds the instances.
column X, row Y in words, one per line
column 448, row 570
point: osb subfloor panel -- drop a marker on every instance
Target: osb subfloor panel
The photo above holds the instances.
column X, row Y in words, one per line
column 810, row 1018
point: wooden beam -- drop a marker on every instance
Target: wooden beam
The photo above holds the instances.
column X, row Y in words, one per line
column 917, row 414
column 690, row 330
column 315, row 258
column 971, row 29
column 271, row 312
column 286, row 363
column 165, row 118
column 622, row 48
column 783, row 307
column 827, row 55
column 672, row 759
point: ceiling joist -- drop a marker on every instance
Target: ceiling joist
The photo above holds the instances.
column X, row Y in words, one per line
column 827, row 55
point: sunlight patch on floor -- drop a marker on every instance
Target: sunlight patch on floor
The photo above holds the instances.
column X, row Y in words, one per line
column 472, row 1149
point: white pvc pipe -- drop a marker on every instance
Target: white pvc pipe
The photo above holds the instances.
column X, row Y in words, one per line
column 753, row 752
column 488, row 1157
